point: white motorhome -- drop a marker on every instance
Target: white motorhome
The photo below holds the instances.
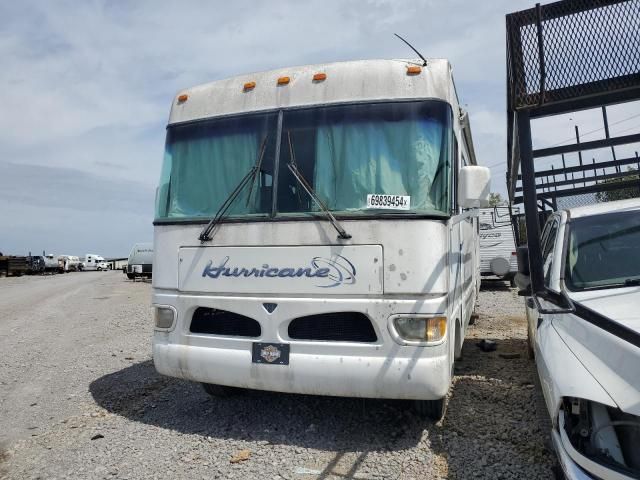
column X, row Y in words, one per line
column 316, row 232
column 94, row 262
column 497, row 243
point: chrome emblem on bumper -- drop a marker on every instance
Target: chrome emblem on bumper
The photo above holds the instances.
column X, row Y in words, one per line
column 270, row 353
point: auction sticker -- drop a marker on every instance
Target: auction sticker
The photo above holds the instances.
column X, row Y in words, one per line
column 394, row 202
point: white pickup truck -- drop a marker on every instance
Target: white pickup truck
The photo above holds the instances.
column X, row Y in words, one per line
column 588, row 354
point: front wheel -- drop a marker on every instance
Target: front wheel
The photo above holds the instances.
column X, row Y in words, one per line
column 432, row 409
column 220, row 391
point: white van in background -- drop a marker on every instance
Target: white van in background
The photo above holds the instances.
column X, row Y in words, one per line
column 497, row 243
column 94, row 262
column 140, row 263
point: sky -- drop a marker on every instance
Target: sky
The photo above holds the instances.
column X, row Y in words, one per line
column 86, row 88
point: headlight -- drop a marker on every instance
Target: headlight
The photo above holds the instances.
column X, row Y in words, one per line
column 420, row 329
column 164, row 317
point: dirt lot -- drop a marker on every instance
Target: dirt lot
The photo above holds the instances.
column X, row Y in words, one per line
column 79, row 398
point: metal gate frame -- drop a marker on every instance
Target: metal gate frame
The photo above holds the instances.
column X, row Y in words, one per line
column 564, row 57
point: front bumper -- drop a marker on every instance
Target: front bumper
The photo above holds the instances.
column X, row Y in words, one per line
column 381, row 369
column 571, row 469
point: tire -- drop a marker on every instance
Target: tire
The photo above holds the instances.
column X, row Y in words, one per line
column 130, row 276
column 220, row 391
column 431, row 409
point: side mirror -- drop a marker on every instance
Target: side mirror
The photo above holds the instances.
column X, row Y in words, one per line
column 473, row 187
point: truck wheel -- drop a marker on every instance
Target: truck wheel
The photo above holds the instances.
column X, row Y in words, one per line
column 220, row 391
column 130, row 276
column 432, row 409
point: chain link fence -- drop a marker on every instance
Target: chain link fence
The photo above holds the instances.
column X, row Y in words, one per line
column 566, row 50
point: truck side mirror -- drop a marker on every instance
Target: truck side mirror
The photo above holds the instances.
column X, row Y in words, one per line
column 473, row 186
column 522, row 280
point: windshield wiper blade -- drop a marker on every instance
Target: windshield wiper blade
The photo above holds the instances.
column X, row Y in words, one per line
column 207, row 233
column 307, row 188
column 293, row 167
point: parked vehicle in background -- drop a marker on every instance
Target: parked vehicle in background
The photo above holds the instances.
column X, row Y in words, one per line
column 51, row 263
column 497, row 243
column 102, row 265
column 12, row 265
column 140, row 262
column 69, row 263
column 92, row 261
column 35, row 264
column 589, row 365
column 252, row 286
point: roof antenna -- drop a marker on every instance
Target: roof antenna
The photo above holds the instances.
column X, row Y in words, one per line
column 411, row 47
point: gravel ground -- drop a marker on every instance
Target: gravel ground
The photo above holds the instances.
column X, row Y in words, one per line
column 79, row 398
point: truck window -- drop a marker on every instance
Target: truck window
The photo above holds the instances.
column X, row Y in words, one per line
column 603, row 251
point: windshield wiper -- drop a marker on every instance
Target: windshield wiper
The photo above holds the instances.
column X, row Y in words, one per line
column 207, row 234
column 629, row 282
column 293, row 167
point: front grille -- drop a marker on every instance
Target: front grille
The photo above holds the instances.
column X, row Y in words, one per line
column 221, row 322
column 333, row 327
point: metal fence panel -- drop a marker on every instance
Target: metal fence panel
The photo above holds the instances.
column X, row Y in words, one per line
column 566, row 50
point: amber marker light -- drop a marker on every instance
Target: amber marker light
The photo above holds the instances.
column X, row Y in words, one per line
column 182, row 98
column 414, row 70
column 249, row 86
column 319, row 77
column 283, row 80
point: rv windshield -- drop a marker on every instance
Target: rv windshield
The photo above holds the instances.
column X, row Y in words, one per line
column 363, row 159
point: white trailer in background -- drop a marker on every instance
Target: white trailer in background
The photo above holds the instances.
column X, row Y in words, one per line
column 68, row 263
column 252, row 286
column 51, row 263
column 140, row 262
column 497, row 243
